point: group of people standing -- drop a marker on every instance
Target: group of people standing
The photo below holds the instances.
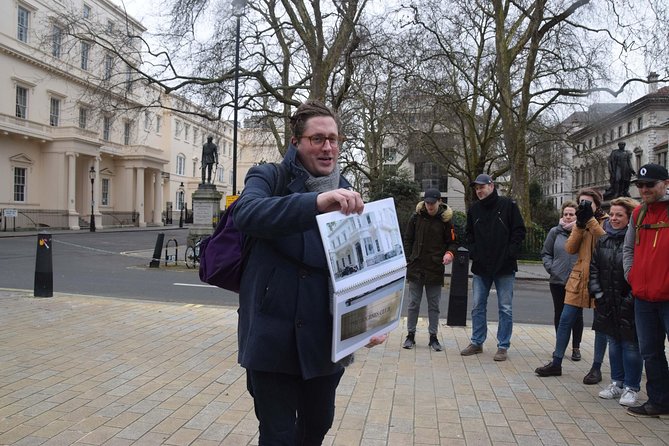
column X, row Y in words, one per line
column 590, row 256
column 285, row 320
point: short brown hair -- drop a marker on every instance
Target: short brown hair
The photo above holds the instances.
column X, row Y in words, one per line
column 626, row 202
column 568, row 204
column 309, row 109
column 592, row 193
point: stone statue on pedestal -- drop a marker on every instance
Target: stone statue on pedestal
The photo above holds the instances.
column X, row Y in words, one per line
column 209, row 158
column 620, row 173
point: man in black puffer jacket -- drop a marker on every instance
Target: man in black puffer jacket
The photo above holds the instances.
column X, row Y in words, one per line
column 614, row 305
column 495, row 231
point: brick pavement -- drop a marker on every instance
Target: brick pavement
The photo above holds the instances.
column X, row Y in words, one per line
column 102, row 371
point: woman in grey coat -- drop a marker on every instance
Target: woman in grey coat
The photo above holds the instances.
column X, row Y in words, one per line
column 558, row 264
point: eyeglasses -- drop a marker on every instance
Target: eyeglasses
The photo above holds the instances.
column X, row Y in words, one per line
column 319, row 140
column 646, row 184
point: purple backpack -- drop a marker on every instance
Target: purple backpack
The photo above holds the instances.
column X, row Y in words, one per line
column 223, row 254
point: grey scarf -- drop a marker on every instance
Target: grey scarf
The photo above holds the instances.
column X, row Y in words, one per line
column 321, row 184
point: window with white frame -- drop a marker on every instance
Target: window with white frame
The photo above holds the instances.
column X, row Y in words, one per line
column 54, row 112
column 186, row 132
column 177, row 129
column 106, row 128
column 221, row 174
column 56, row 41
column 637, row 158
column 110, row 27
column 147, row 121
column 86, row 12
column 83, row 117
column 20, row 174
column 21, row 102
column 158, row 122
column 231, row 180
column 639, row 123
column 23, row 24
column 181, row 164
column 109, row 67
column 105, row 192
column 180, row 200
column 195, row 131
column 127, row 128
column 85, row 53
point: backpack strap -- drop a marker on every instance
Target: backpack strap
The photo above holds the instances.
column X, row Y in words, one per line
column 641, row 225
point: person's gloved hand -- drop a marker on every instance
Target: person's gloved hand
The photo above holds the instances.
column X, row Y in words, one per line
column 583, row 214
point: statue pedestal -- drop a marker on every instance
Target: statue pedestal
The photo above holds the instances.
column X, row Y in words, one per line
column 206, row 210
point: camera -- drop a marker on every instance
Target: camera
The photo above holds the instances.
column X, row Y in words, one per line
column 584, row 204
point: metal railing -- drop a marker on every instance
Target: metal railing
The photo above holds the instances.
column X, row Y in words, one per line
column 31, row 219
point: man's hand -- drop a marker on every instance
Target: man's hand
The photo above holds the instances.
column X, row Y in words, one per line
column 376, row 340
column 448, row 258
column 344, row 200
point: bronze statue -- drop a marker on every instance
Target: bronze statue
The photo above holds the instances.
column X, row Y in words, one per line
column 209, row 158
column 620, row 173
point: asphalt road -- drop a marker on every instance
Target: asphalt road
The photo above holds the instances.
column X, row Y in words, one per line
column 115, row 264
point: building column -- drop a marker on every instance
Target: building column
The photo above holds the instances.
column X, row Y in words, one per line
column 96, row 193
column 139, row 194
column 72, row 214
column 157, row 198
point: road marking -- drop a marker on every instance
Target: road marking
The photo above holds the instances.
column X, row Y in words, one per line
column 194, row 284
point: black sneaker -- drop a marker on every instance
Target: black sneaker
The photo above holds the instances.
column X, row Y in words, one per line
column 409, row 342
column 647, row 409
column 594, row 376
column 549, row 369
column 434, row 343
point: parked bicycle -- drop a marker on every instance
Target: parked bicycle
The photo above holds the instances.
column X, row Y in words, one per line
column 193, row 255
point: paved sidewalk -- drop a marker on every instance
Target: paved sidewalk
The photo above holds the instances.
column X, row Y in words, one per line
column 102, row 371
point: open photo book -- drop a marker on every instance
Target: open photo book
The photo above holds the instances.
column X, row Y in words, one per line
column 368, row 270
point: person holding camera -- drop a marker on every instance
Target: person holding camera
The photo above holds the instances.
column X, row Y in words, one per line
column 589, row 227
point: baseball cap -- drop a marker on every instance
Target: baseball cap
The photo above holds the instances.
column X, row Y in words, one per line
column 432, row 196
column 652, row 172
column 481, row 179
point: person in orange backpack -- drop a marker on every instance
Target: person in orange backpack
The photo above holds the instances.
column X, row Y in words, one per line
column 646, row 265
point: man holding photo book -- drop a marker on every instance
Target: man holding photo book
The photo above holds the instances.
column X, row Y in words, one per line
column 285, row 319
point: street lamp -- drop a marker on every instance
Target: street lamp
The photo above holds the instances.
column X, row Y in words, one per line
column 237, row 9
column 182, row 194
column 91, row 175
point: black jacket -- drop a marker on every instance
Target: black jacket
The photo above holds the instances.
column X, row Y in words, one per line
column 495, row 231
column 427, row 240
column 614, row 304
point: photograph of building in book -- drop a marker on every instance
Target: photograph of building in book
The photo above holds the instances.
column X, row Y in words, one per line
column 361, row 241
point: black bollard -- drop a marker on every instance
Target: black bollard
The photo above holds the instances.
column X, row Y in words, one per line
column 457, row 301
column 155, row 261
column 43, row 266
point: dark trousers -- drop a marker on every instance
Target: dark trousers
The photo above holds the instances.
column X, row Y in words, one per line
column 652, row 328
column 558, row 292
column 291, row 410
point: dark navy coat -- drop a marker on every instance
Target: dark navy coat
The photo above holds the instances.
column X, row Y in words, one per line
column 285, row 323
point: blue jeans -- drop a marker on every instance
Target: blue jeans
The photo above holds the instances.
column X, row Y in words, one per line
column 480, row 290
column 433, row 294
column 626, row 363
column 652, row 328
column 570, row 314
column 291, row 410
